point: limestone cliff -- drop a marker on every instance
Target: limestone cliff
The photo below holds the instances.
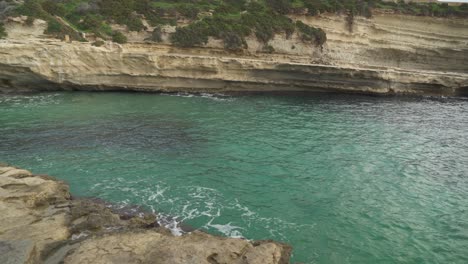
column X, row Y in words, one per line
column 40, row 223
column 386, row 54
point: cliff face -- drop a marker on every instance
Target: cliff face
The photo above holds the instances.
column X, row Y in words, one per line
column 40, row 223
column 386, row 54
column 398, row 41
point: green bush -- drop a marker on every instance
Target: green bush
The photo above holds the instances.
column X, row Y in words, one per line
column 156, row 35
column 234, row 42
column 350, row 21
column 233, row 30
column 268, row 49
column 59, row 30
column 134, row 23
column 30, row 21
column 118, row 37
column 3, row 33
column 33, row 9
column 231, row 21
column 54, row 27
column 53, row 8
column 308, row 33
column 119, row 10
column 188, row 11
column 280, row 6
column 190, row 36
column 425, row 9
column 91, row 22
column 98, row 43
column 255, row 7
column 122, row 12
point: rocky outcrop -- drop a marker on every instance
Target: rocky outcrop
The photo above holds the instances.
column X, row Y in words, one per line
column 387, row 54
column 40, row 223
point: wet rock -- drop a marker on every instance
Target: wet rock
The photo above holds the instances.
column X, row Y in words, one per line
column 17, row 251
column 89, row 215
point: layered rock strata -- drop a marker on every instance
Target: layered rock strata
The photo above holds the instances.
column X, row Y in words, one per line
column 388, row 54
column 40, row 223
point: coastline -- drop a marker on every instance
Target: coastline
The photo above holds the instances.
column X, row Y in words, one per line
column 67, row 67
column 41, row 223
column 379, row 57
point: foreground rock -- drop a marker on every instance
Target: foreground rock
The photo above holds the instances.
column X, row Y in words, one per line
column 40, row 223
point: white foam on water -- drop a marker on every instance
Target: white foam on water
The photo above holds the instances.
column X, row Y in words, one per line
column 205, row 206
column 188, row 95
column 78, row 236
column 215, row 97
column 228, row 229
column 28, row 101
column 171, row 223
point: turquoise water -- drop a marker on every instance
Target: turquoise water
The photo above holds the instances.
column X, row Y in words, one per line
column 343, row 179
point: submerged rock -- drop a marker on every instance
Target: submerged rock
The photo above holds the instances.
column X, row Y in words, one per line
column 41, row 223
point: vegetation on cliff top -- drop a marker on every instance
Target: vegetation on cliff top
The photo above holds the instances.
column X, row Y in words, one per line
column 229, row 20
column 3, row 33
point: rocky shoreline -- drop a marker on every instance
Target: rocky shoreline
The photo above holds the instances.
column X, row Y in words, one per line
column 41, row 223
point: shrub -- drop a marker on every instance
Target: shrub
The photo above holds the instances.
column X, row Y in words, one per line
column 188, row 11
column 53, row 8
column 59, row 30
column 33, row 8
column 30, row 21
column 142, row 6
column 233, row 41
column 118, row 37
column 268, row 49
column 266, row 25
column 134, row 23
column 350, row 21
column 255, row 7
column 119, row 10
column 83, row 8
column 3, row 33
column 156, row 36
column 54, row 27
column 98, row 43
column 280, row 6
column 189, row 36
column 91, row 22
column 308, row 33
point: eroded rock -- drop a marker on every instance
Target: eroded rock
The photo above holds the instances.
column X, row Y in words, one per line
column 154, row 247
column 41, row 223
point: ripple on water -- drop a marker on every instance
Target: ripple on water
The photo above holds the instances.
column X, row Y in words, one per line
column 344, row 179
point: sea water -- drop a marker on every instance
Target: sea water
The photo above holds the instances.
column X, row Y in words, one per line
column 343, row 179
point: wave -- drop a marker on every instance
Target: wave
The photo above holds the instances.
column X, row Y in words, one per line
column 30, row 101
column 211, row 96
column 182, row 209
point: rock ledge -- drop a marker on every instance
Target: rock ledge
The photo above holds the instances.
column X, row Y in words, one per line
column 41, row 223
